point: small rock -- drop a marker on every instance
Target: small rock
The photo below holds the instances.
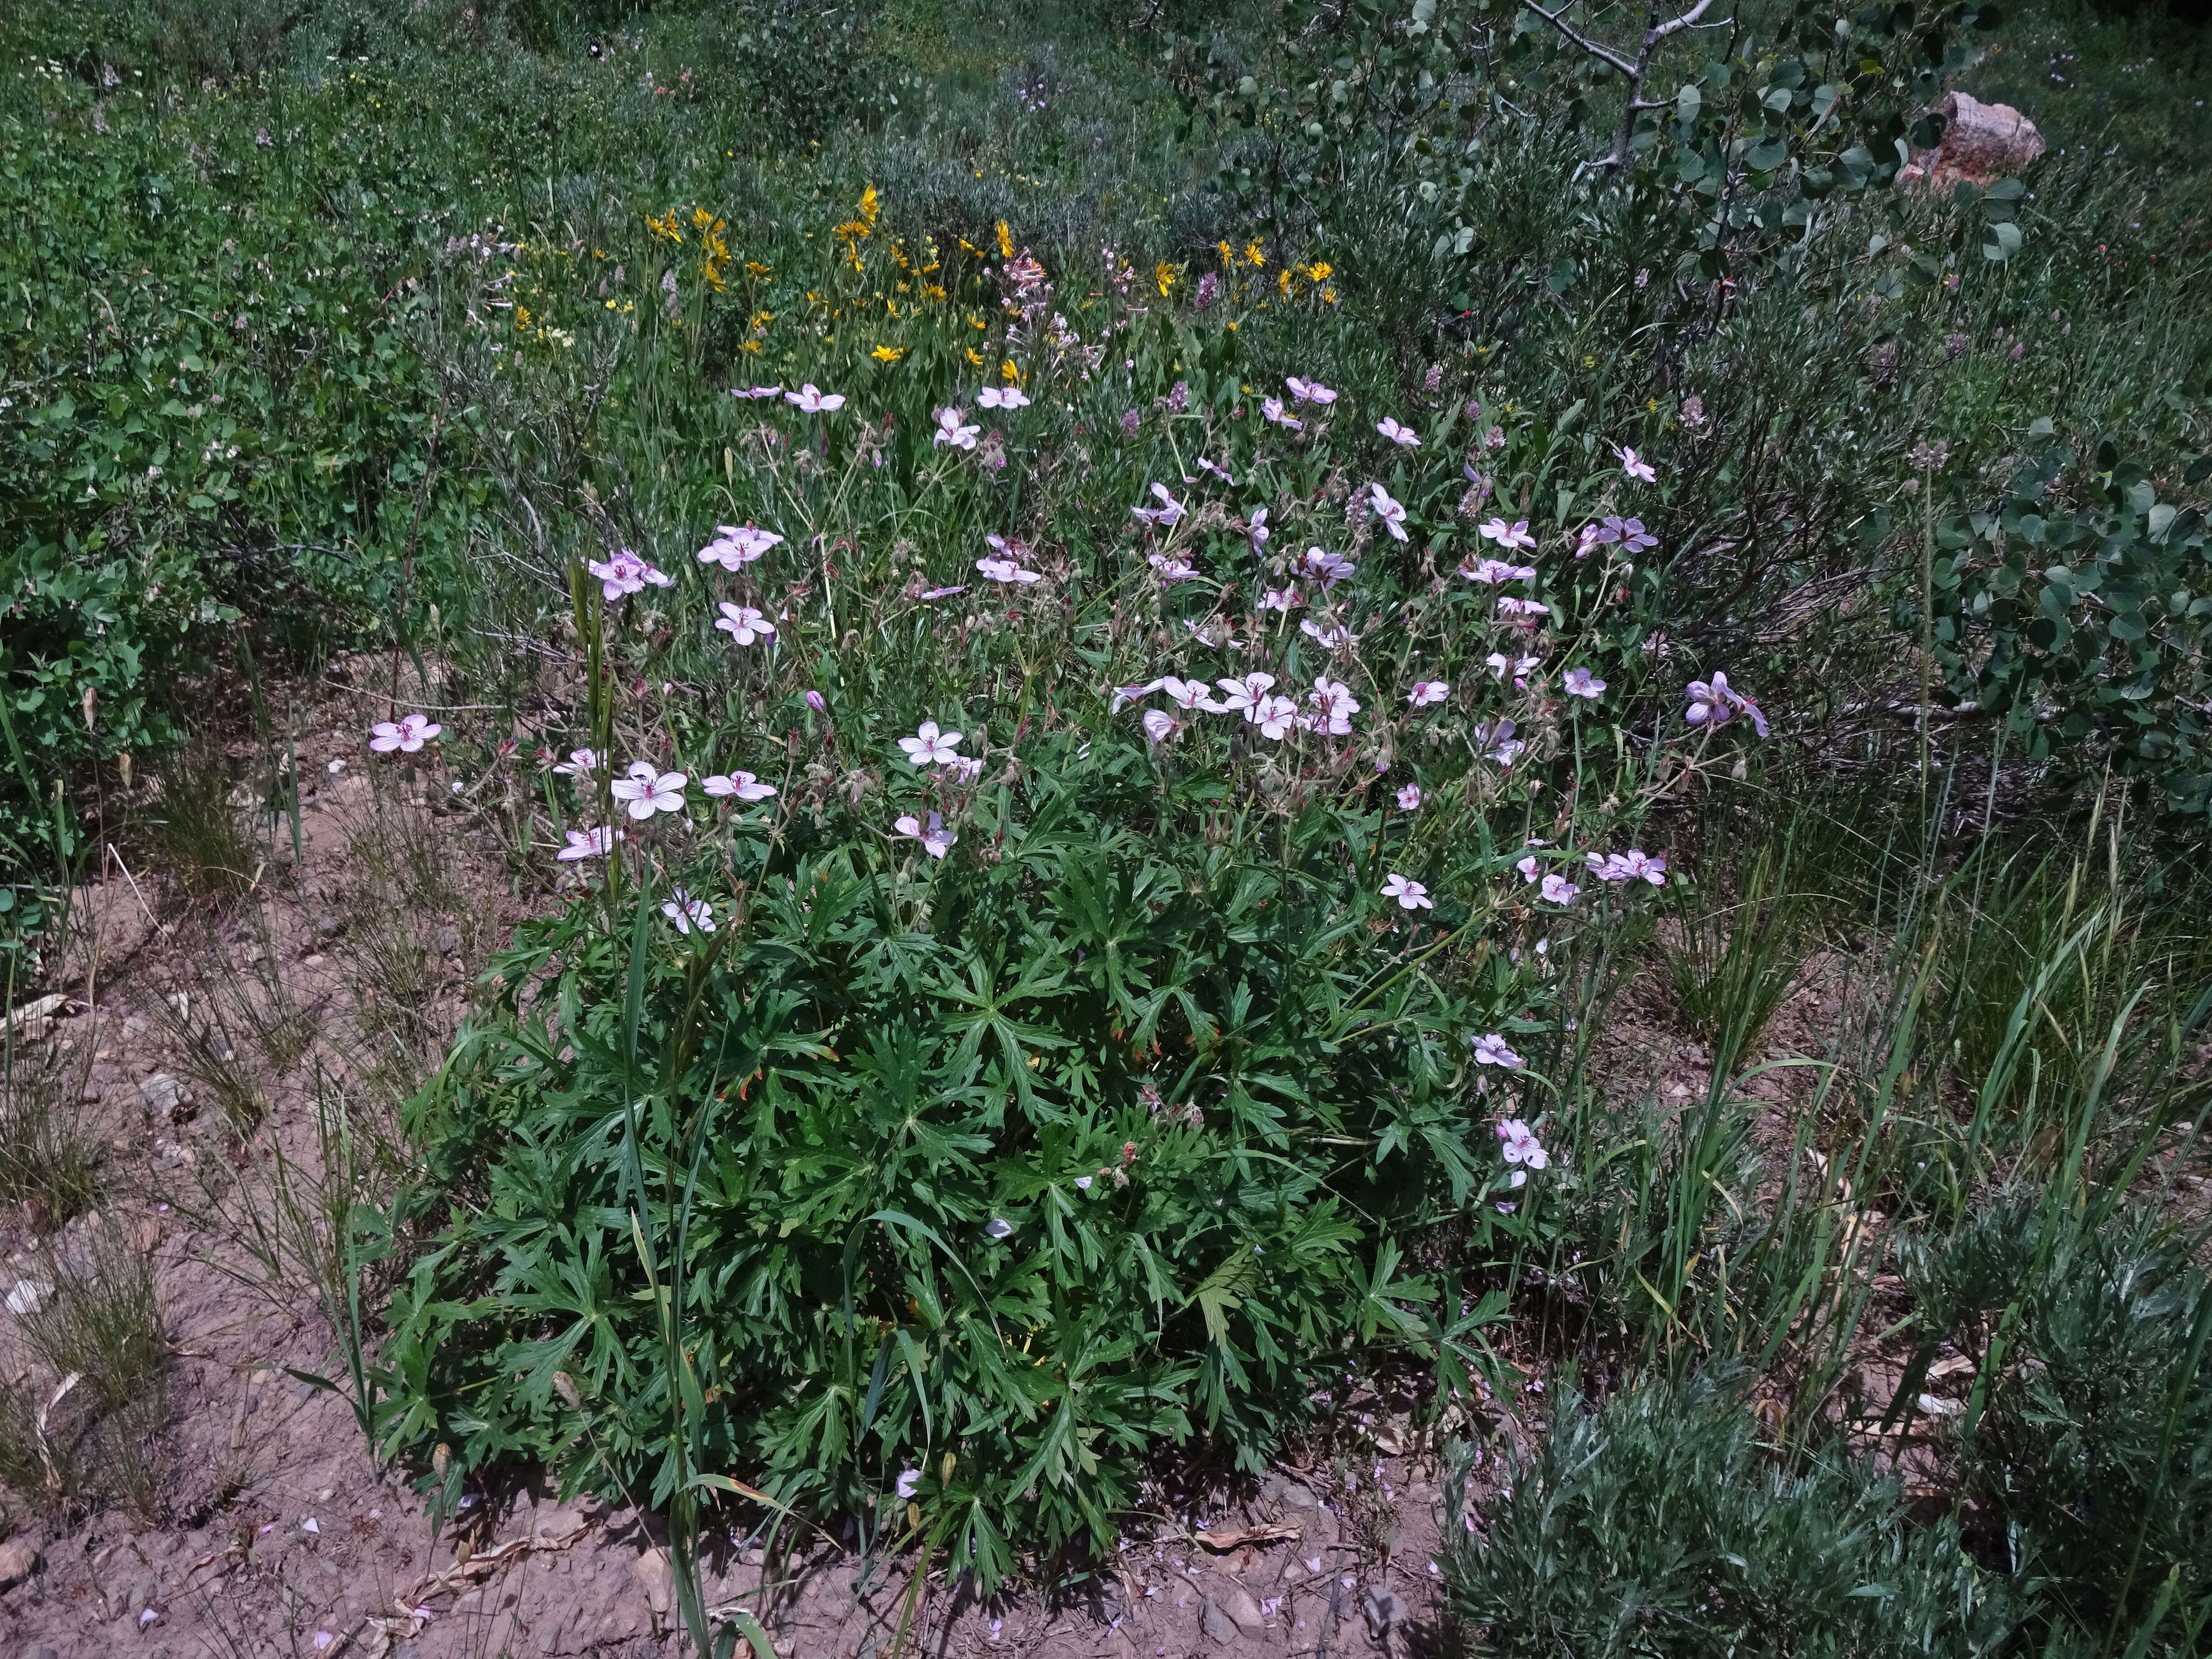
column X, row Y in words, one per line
column 135, row 1025
column 27, row 1296
column 1236, row 1601
column 556, row 1523
column 218, row 1046
column 1217, row 1623
column 313, row 959
column 652, row 1573
column 327, row 926
column 19, row 1559
column 1386, row 1610
column 448, row 940
column 93, row 1091
column 1299, row 1495
column 164, row 1096
column 1981, row 143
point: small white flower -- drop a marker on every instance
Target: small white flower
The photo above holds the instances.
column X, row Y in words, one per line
column 909, row 1482
column 936, row 840
column 1404, row 436
column 1010, row 397
column 1172, row 568
column 1508, row 535
column 579, row 764
column 1558, row 890
column 1427, row 692
column 812, row 401
column 1272, row 409
column 1634, row 465
column 997, row 1227
column 1409, row 798
column 1310, row 392
column 1160, row 725
column 1005, row 570
column 1581, row 683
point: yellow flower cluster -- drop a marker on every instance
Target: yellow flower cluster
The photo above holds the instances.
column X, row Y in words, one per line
column 857, row 229
column 714, row 252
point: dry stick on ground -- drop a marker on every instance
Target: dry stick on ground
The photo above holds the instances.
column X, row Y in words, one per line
column 1654, row 32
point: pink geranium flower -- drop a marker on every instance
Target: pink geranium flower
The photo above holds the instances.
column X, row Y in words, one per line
column 648, row 790
column 736, row 545
column 743, row 625
column 930, row 747
column 1392, row 513
column 626, row 572
column 1404, row 436
column 1166, row 516
column 951, row 431
column 1006, row 397
column 1490, row 1050
column 1581, row 683
column 812, row 401
column 742, row 785
column 589, row 843
column 936, row 840
column 1634, row 465
column 688, row 913
column 1507, row 536
column 407, row 734
column 1410, row 895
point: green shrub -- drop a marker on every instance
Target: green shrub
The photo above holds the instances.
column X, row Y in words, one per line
column 1659, row 1524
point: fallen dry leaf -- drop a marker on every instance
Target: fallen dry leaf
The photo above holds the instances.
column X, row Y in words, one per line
column 1275, row 1532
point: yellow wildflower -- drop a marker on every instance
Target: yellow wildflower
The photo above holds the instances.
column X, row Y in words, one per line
column 888, row 354
column 756, row 269
column 1163, row 274
column 974, row 356
column 1008, row 373
column 665, row 226
column 1254, row 254
column 1319, row 270
column 1005, row 241
column 1283, row 282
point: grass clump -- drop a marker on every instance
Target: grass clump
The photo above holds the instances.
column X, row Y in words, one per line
column 1665, row 1522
